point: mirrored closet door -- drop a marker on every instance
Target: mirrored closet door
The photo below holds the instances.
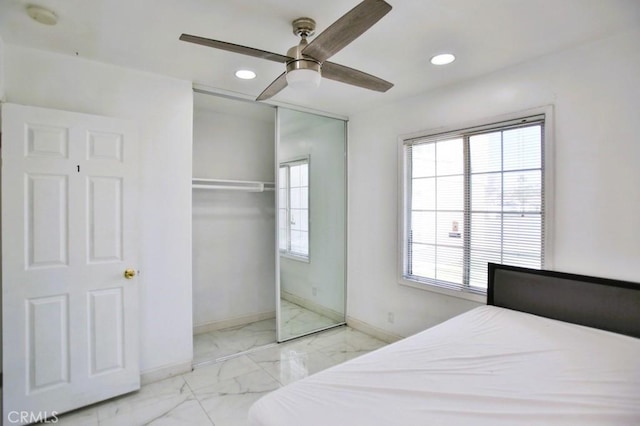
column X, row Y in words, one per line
column 311, row 216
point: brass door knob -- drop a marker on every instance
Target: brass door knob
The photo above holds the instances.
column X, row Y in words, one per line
column 129, row 273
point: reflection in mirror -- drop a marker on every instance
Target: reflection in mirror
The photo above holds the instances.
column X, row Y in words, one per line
column 293, row 227
column 311, row 153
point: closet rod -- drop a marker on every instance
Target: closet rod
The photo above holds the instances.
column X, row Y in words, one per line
column 232, row 185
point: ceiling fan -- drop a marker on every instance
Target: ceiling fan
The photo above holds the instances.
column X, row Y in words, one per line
column 307, row 62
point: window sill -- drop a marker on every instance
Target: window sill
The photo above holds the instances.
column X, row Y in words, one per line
column 480, row 298
column 296, row 258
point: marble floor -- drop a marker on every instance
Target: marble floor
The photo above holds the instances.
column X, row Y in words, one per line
column 297, row 320
column 221, row 393
column 219, row 344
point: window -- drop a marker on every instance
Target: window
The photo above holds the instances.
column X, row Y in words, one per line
column 471, row 197
column 293, row 211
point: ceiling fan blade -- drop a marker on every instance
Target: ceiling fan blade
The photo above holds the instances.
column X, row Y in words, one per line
column 236, row 48
column 274, row 88
column 354, row 77
column 346, row 29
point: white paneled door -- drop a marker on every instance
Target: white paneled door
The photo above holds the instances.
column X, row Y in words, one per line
column 69, row 261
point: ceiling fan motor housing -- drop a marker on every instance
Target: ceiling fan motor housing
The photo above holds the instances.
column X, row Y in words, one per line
column 301, row 62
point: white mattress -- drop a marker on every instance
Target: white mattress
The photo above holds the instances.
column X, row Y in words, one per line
column 489, row 366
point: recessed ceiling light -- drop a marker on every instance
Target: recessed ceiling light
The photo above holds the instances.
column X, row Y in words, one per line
column 42, row 15
column 245, row 74
column 443, row 59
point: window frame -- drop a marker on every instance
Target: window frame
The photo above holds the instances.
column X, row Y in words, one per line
column 477, row 126
column 287, row 253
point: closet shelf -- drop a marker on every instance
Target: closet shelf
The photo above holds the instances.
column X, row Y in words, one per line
column 232, row 185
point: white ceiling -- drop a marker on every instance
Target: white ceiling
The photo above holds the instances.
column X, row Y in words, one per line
column 485, row 35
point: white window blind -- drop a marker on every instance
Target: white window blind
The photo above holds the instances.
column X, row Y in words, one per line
column 293, row 211
column 471, row 197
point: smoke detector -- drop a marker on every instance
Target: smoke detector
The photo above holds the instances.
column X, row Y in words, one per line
column 42, row 15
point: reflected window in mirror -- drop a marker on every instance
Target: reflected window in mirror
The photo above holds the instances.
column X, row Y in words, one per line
column 293, row 210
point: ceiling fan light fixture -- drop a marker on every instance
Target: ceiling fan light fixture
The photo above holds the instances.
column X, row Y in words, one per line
column 303, row 79
column 443, row 59
column 304, row 73
column 245, row 74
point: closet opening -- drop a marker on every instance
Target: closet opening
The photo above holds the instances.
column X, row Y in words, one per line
column 234, row 227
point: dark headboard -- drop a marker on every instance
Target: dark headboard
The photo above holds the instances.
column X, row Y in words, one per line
column 595, row 302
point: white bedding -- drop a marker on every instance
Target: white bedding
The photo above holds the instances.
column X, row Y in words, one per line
column 489, row 366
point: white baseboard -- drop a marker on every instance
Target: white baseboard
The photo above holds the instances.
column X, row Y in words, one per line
column 373, row 331
column 232, row 322
column 312, row 306
column 164, row 372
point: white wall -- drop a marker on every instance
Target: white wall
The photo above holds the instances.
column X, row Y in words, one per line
column 233, row 232
column 595, row 89
column 1, row 70
column 162, row 107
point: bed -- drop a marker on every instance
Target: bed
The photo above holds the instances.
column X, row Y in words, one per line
column 549, row 348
